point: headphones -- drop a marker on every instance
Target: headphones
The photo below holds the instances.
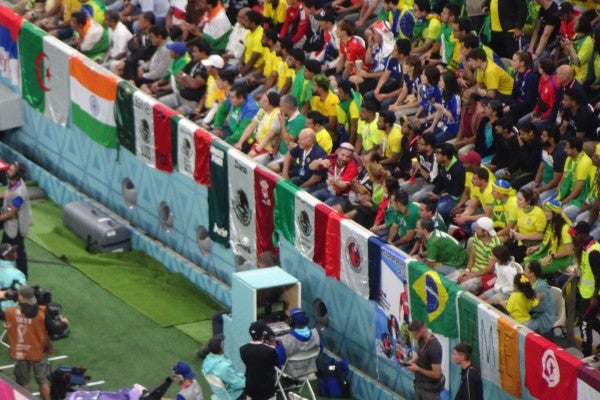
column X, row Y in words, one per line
column 298, row 316
column 176, row 376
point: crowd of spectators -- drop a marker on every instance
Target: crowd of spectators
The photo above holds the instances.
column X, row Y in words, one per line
column 432, row 124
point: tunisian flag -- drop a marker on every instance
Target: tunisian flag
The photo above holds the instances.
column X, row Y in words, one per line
column 551, row 372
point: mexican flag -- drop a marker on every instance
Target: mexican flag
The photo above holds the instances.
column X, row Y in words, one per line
column 242, row 205
column 45, row 72
column 186, row 149
column 93, row 95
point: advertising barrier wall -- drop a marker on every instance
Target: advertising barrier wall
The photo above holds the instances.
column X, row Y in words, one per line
column 185, row 192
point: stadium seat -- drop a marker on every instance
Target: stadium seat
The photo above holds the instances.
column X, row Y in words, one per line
column 560, row 318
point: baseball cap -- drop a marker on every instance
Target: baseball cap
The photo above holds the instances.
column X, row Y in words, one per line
column 472, row 157
column 177, row 47
column 487, row 225
column 214, row 61
column 257, row 330
column 181, row 368
column 580, row 227
column 325, row 15
column 7, row 248
column 416, row 325
column 28, row 294
column 565, row 7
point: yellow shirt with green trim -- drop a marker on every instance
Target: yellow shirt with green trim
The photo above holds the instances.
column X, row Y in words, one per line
column 327, row 107
column 533, row 221
column 323, row 138
column 495, row 78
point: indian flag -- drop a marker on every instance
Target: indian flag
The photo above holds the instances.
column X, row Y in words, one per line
column 93, row 95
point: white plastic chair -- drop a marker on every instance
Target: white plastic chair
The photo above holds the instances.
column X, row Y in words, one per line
column 217, row 386
column 560, row 316
column 304, row 380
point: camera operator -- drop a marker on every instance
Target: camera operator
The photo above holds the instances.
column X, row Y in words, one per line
column 260, row 359
column 28, row 326
column 10, row 277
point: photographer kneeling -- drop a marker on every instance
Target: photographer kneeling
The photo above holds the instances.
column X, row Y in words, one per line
column 10, row 277
column 29, row 325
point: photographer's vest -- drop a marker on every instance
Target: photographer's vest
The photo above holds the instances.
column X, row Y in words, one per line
column 23, row 218
column 191, row 392
column 587, row 281
column 292, row 346
column 28, row 337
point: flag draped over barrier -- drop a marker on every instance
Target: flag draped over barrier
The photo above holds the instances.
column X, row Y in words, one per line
column 45, row 79
column 143, row 114
column 186, row 148
column 432, row 299
column 93, row 95
column 124, row 116
column 264, row 187
column 162, row 136
column 218, row 196
column 10, row 24
column 202, row 141
column 242, row 205
column 284, row 214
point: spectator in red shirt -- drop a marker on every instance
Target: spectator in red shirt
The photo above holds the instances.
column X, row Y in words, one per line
column 352, row 50
column 342, row 168
column 295, row 26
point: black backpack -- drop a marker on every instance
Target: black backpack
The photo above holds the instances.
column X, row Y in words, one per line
column 64, row 379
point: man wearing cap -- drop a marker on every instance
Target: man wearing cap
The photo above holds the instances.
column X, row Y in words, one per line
column 189, row 388
column 504, row 207
column 342, row 169
column 481, row 259
column 300, row 339
column 429, row 379
column 28, row 325
column 190, row 83
column 216, row 364
column 587, row 254
column 166, row 83
column 10, row 276
column 260, row 359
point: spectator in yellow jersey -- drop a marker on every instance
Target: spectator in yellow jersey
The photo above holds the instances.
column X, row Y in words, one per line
column 528, row 231
column 252, row 60
column 370, row 136
column 325, row 102
column 480, row 204
column 317, row 121
column 492, row 81
column 391, row 143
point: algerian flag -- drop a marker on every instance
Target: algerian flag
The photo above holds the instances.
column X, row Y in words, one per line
column 93, row 95
column 44, row 72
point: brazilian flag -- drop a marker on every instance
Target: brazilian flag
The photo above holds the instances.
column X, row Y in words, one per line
column 433, row 299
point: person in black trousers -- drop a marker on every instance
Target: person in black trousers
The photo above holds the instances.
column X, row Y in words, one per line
column 471, row 386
